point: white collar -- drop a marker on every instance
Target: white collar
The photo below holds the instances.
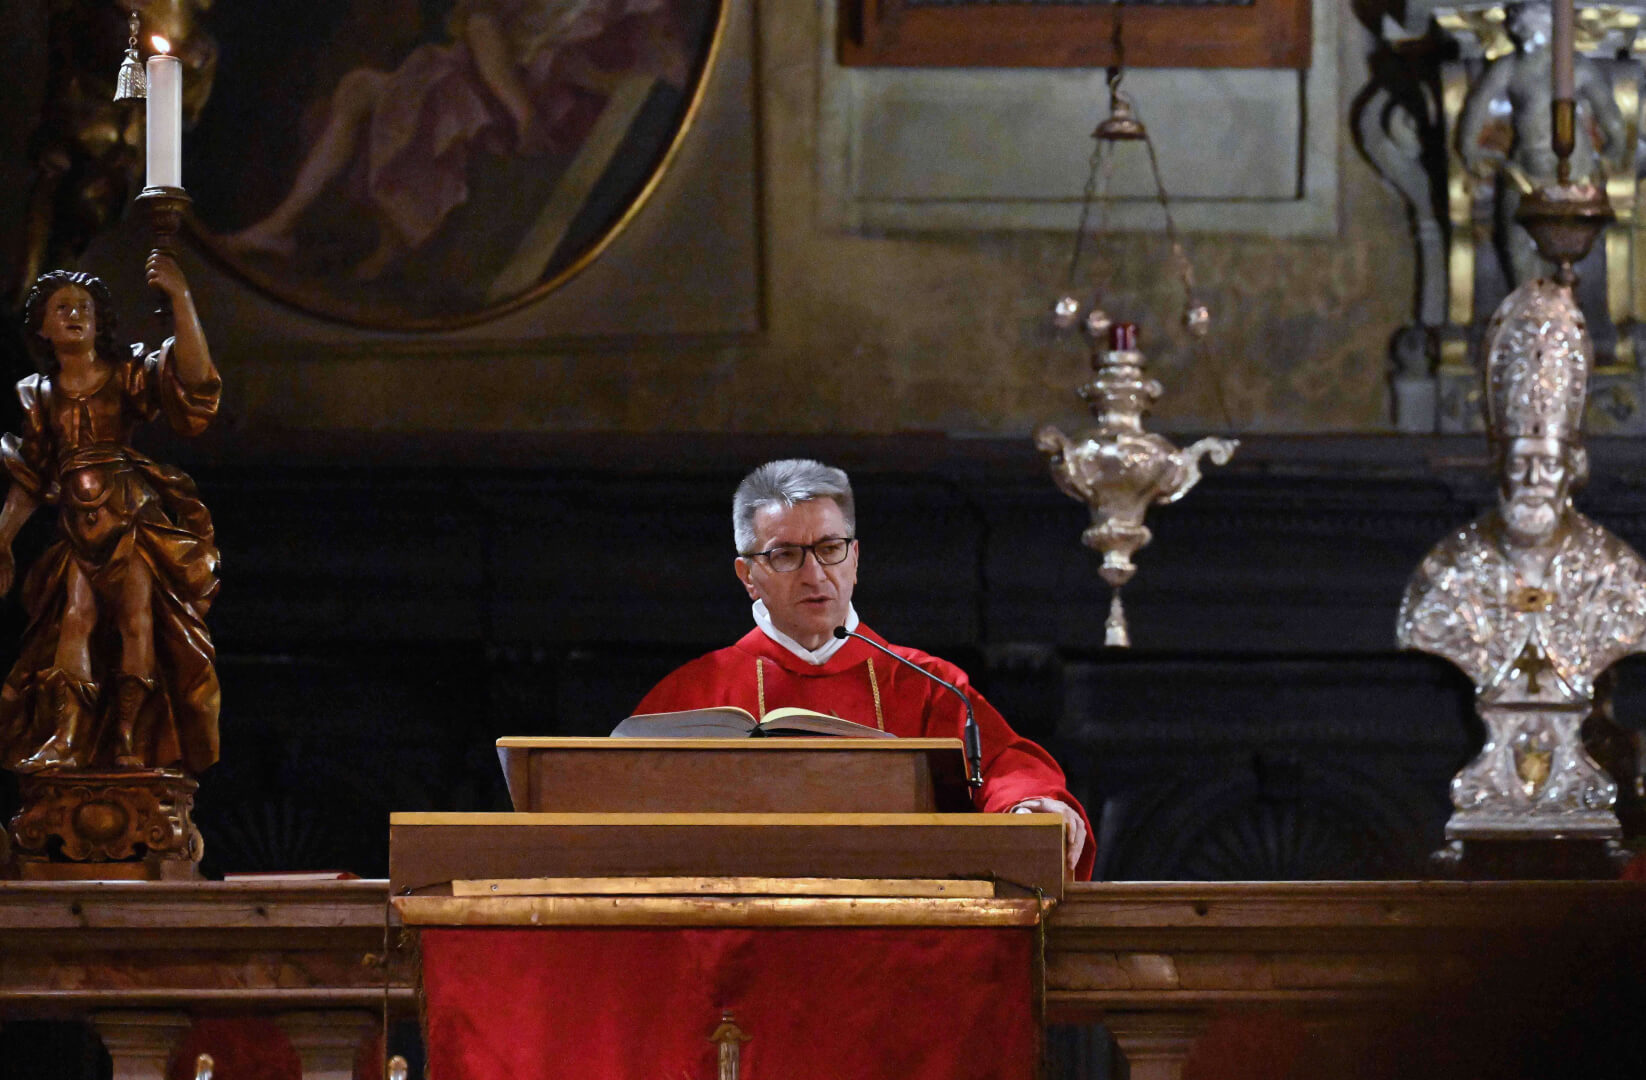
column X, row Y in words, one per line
column 819, row 656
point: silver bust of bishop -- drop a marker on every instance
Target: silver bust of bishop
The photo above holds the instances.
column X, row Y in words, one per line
column 1533, row 600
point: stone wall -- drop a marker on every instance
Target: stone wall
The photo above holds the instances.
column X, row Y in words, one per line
column 895, row 333
column 951, row 330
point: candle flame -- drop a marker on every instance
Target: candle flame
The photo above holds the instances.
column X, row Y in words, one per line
column 161, row 44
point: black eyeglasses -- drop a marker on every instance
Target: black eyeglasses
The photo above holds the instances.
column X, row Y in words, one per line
column 786, row 558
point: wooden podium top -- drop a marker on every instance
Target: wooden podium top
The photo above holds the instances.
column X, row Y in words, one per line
column 794, row 775
column 745, row 911
column 429, row 851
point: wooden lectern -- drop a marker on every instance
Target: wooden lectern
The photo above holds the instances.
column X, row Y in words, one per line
column 793, row 775
column 725, row 908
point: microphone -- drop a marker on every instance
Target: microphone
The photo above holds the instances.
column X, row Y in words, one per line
column 972, row 738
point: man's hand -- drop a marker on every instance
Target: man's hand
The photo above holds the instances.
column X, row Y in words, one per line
column 1074, row 829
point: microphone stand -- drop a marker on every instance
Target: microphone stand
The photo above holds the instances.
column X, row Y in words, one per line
column 972, row 738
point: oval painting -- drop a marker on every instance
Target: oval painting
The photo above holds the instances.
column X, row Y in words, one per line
column 428, row 164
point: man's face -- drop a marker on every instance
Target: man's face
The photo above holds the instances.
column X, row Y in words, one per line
column 1535, row 483
column 808, row 603
column 70, row 321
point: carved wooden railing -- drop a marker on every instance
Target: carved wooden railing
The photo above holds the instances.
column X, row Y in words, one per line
column 1357, row 971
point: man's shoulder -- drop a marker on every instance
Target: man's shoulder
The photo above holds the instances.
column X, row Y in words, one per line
column 935, row 664
column 697, row 682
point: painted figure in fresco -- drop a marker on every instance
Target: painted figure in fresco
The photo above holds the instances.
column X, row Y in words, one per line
column 507, row 83
column 1519, row 84
column 116, row 668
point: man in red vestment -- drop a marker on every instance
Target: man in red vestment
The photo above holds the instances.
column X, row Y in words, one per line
column 794, row 522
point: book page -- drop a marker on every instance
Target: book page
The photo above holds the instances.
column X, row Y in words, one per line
column 721, row 722
column 807, row 722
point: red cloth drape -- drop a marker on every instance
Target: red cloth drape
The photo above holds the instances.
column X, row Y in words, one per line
column 640, row 1004
column 242, row 1048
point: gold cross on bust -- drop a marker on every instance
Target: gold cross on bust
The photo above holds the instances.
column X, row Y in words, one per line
column 1531, row 663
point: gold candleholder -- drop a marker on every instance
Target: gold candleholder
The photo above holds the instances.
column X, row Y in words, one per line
column 164, row 207
column 1565, row 220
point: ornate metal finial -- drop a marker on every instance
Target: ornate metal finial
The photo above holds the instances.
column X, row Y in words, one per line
column 131, row 84
column 1117, row 469
column 203, row 1065
column 1564, row 219
column 398, row 1068
column 1122, row 124
column 730, row 1038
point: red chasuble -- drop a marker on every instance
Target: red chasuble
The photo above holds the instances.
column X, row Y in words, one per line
column 868, row 688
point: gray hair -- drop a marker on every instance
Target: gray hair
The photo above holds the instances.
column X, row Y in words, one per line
column 784, row 483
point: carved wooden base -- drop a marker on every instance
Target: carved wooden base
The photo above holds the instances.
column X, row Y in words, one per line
column 83, row 824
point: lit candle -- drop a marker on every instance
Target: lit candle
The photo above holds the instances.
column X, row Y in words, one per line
column 1561, row 48
column 165, row 117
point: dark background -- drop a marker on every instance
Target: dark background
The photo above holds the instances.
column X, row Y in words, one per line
column 382, row 624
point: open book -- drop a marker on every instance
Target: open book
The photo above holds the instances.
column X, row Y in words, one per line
column 730, row 722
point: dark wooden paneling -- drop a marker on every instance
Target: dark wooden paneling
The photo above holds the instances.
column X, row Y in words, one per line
column 1258, row 33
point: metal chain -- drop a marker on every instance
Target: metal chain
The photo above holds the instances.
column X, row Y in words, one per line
column 1118, row 40
column 1198, row 342
column 1105, row 205
column 1178, row 255
column 1098, row 162
column 1090, row 193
